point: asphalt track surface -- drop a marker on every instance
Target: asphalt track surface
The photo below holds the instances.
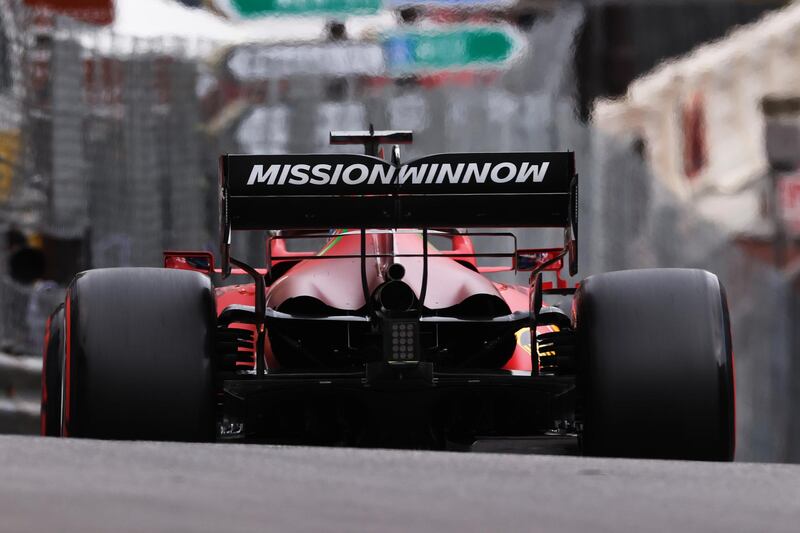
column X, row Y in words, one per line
column 88, row 486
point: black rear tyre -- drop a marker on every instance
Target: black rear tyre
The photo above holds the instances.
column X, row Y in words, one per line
column 656, row 367
column 139, row 355
column 52, row 368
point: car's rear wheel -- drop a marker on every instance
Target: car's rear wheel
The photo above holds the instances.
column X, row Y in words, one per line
column 52, row 368
column 138, row 365
column 656, row 366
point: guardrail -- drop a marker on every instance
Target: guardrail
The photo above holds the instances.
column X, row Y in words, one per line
column 20, row 383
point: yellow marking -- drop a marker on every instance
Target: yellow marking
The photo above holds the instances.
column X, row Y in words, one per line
column 9, row 150
column 524, row 340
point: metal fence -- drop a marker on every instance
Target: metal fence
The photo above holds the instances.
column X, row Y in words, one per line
column 127, row 169
column 122, row 139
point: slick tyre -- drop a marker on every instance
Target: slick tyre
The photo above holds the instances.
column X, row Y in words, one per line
column 655, row 372
column 52, row 370
column 138, row 362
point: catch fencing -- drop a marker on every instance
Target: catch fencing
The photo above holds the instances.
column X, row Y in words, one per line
column 121, row 138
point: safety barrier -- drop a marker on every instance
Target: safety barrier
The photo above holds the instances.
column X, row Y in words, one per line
column 20, row 381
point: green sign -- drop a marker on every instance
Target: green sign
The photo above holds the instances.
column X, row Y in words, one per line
column 258, row 8
column 449, row 49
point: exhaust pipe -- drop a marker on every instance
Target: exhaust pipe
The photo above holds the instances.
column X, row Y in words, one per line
column 395, row 296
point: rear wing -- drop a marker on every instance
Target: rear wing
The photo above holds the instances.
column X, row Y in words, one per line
column 321, row 191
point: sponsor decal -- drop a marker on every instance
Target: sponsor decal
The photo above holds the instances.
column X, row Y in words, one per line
column 371, row 174
column 524, row 339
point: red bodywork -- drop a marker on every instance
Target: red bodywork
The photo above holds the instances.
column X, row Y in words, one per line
column 452, row 277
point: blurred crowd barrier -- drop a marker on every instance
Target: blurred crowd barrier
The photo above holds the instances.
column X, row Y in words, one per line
column 117, row 160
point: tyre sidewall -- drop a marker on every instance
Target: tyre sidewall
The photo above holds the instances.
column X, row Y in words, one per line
column 52, row 371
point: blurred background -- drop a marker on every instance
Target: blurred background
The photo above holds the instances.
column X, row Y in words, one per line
column 684, row 116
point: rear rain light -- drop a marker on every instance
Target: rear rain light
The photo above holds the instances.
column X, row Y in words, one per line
column 401, row 340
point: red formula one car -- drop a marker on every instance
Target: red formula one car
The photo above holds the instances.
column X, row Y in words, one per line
column 392, row 332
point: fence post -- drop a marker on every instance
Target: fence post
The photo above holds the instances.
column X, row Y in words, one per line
column 782, row 143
